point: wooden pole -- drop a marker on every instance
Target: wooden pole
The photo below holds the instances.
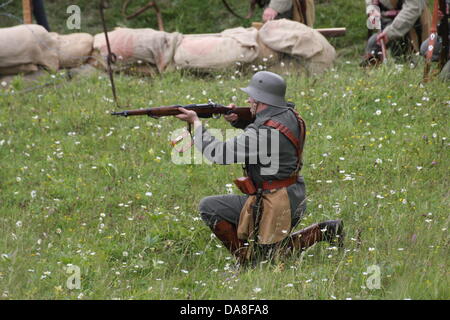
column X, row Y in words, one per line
column 27, row 12
column 326, row 32
column 332, row 32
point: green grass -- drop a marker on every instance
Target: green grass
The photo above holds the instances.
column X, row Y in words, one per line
column 75, row 182
column 76, row 178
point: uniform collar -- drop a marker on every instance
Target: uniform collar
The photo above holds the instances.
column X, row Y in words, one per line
column 267, row 114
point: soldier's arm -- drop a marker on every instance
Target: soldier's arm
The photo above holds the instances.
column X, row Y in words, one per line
column 241, row 124
column 234, row 120
column 235, row 150
column 405, row 20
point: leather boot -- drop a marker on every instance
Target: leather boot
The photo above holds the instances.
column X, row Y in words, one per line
column 227, row 233
column 331, row 231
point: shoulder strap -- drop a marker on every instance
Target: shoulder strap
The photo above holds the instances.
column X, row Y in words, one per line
column 297, row 142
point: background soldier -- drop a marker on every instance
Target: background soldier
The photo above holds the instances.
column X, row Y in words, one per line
column 404, row 25
column 283, row 192
column 297, row 10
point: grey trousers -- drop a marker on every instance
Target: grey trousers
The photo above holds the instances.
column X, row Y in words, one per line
column 223, row 207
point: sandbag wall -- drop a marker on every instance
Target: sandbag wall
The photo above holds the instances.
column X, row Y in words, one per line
column 30, row 46
column 26, row 47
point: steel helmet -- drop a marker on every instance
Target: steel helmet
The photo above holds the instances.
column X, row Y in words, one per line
column 267, row 87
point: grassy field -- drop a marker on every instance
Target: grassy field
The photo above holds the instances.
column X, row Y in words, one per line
column 81, row 188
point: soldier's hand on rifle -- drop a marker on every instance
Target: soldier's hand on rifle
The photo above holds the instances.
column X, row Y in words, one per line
column 187, row 115
column 269, row 14
column 382, row 36
column 232, row 116
column 190, row 117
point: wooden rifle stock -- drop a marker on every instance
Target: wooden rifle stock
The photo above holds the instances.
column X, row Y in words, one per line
column 326, row 32
column 206, row 110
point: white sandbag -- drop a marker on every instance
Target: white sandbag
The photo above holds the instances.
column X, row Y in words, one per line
column 74, row 49
column 28, row 44
column 301, row 41
column 217, row 50
column 140, row 45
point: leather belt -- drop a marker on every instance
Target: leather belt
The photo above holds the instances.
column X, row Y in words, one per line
column 277, row 184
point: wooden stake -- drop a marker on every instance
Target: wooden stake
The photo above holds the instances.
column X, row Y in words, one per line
column 26, row 8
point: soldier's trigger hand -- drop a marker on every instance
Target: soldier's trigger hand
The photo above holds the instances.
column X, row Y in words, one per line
column 231, row 117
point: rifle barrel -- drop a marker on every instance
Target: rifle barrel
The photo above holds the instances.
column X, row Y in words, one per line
column 203, row 111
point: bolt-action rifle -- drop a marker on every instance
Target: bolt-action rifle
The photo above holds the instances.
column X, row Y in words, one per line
column 206, row 110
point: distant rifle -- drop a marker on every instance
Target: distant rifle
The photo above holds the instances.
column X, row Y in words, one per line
column 435, row 33
column 374, row 23
column 206, row 110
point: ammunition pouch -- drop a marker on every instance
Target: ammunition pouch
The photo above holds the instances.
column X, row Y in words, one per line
column 246, row 185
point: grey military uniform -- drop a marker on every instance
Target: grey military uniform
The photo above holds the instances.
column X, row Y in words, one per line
column 445, row 72
column 228, row 207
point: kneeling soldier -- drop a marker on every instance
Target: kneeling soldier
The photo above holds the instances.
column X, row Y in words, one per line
column 274, row 200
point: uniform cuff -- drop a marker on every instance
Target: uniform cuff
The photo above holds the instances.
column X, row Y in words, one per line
column 280, row 7
column 392, row 33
